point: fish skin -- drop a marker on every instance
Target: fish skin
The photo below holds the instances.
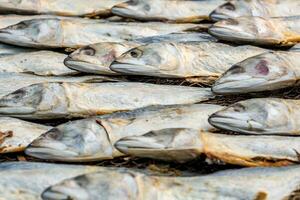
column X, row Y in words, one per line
column 11, row 82
column 96, row 58
column 264, row 72
column 60, row 100
column 6, row 49
column 268, row 116
column 178, row 37
column 182, row 145
column 202, row 60
column 16, row 134
column 256, row 8
column 44, row 63
column 60, row 7
column 267, row 183
column 11, row 19
column 99, row 134
column 259, row 30
column 27, row 180
column 167, row 10
column 59, row 33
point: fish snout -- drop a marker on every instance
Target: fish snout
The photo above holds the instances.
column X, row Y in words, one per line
column 67, row 62
column 216, row 16
column 50, row 194
column 120, row 5
column 128, row 144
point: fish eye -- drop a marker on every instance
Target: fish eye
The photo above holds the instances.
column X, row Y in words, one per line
column 89, row 51
column 229, row 6
column 18, row 93
column 136, row 53
column 236, row 69
column 147, row 7
column 239, row 107
column 20, row 25
column 262, row 67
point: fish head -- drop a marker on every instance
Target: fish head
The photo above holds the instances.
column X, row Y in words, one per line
column 22, row 101
column 76, row 141
column 267, row 71
column 156, row 59
column 32, row 31
column 257, row 30
column 174, row 144
column 95, row 58
column 136, row 8
column 35, row 101
column 110, row 184
column 254, row 116
column 231, row 9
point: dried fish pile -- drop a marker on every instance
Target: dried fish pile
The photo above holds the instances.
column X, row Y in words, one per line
column 94, row 81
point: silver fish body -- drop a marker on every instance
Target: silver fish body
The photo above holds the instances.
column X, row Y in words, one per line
column 58, row 33
column 182, row 145
column 248, row 183
column 16, row 134
column 27, row 180
column 94, row 138
column 96, row 58
column 11, row 19
column 45, row 63
column 177, row 37
column 57, row 100
column 182, row 60
column 60, row 7
column 11, row 82
column 268, row 116
column 283, row 31
column 167, row 10
column 267, row 71
column 256, row 8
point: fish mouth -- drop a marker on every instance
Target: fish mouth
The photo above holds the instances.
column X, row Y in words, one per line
column 137, row 142
column 8, row 110
column 86, row 67
column 229, row 33
column 50, row 194
column 239, row 85
column 3, row 31
column 121, row 10
column 237, row 124
column 44, row 151
column 216, row 16
column 133, row 69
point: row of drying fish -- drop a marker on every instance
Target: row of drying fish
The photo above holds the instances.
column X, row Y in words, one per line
column 190, row 56
column 156, row 10
column 193, row 56
column 34, row 181
column 58, row 32
column 173, row 133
